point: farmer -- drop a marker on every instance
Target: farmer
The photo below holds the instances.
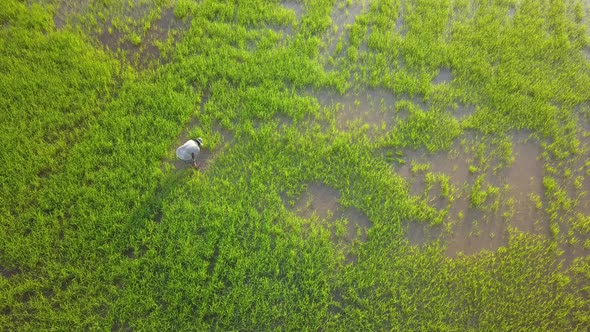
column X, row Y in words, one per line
column 189, row 151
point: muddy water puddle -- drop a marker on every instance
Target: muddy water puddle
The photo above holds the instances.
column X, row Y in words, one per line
column 525, row 177
column 473, row 236
column 463, row 111
column 468, row 229
column 373, row 109
column 140, row 45
column 453, row 164
column 286, row 30
column 66, row 10
column 146, row 51
column 343, row 16
column 399, row 22
column 296, row 7
column 573, row 251
column 419, row 234
column 322, row 203
column 444, row 76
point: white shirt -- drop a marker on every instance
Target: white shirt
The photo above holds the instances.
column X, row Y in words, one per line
column 184, row 152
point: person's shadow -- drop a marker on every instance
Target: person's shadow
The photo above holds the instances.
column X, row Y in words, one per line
column 151, row 210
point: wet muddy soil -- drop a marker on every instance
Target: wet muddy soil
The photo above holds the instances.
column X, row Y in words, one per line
column 399, row 22
column 141, row 52
column 372, row 109
column 525, row 177
column 343, row 16
column 470, row 229
column 419, row 234
column 295, row 7
column 322, row 204
column 147, row 51
column 444, row 76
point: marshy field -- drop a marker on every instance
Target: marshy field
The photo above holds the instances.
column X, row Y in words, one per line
column 368, row 165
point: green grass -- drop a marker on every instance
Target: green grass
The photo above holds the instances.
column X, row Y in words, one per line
column 99, row 231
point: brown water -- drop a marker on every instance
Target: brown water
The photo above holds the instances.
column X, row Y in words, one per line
column 571, row 251
column 419, row 234
column 399, row 22
column 582, row 210
column 323, row 202
column 65, row 10
column 373, row 108
column 468, row 230
column 343, row 16
column 294, row 6
column 463, row 111
column 525, row 177
column 475, row 234
column 147, row 52
column 454, row 164
column 444, row 76
column 142, row 55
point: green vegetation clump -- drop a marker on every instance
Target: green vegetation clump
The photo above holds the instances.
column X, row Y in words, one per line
column 101, row 229
column 433, row 130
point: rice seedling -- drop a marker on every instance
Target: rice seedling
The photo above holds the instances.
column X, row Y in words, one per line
column 100, row 230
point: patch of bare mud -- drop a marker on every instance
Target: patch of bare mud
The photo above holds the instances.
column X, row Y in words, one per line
column 6, row 273
column 463, row 111
column 469, row 229
column 571, row 252
column 399, row 22
column 444, row 76
column 373, row 108
column 66, row 9
column 525, row 177
column 417, row 163
column 475, row 233
column 345, row 224
column 343, row 16
column 146, row 51
column 419, row 234
column 295, row 7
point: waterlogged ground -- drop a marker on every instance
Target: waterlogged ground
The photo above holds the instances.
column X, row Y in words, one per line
column 368, row 165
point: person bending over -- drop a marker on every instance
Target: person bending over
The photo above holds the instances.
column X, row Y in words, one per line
column 189, row 151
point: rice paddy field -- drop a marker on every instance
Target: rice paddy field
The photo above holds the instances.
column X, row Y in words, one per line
column 369, row 165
